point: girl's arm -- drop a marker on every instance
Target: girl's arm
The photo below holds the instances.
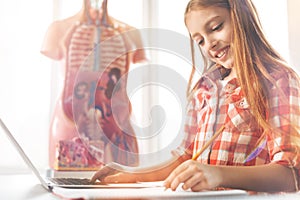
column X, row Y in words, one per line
column 263, row 178
column 112, row 173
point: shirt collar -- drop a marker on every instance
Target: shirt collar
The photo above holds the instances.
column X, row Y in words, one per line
column 212, row 76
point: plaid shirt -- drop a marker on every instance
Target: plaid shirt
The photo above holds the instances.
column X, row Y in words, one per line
column 214, row 104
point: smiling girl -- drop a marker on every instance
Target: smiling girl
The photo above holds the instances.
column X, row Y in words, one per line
column 248, row 89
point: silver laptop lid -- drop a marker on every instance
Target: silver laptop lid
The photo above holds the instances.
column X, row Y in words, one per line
column 23, row 155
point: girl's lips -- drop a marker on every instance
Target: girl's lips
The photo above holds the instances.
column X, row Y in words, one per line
column 222, row 53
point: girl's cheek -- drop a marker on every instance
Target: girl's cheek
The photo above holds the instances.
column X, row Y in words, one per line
column 206, row 54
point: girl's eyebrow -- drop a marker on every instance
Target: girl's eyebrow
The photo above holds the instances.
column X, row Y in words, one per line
column 195, row 35
column 206, row 25
column 212, row 19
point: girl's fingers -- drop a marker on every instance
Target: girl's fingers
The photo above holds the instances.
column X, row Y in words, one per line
column 194, row 181
column 179, row 175
column 102, row 173
column 200, row 186
column 191, row 174
column 168, row 181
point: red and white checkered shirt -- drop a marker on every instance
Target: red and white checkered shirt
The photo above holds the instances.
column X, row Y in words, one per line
column 215, row 103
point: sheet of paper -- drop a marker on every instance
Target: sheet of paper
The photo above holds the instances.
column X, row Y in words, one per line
column 134, row 185
column 151, row 190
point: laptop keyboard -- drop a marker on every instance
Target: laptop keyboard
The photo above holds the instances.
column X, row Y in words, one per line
column 71, row 181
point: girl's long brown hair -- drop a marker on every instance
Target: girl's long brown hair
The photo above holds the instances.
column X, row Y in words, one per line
column 254, row 57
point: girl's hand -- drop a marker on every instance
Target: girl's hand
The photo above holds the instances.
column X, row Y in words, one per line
column 114, row 173
column 105, row 171
column 194, row 176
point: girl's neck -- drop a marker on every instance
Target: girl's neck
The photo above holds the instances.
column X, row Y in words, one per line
column 231, row 75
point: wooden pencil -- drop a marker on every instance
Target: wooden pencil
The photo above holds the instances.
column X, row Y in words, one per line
column 196, row 156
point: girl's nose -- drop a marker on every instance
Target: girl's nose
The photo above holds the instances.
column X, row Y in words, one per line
column 209, row 46
column 212, row 43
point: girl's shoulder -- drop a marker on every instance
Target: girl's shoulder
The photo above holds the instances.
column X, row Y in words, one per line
column 285, row 77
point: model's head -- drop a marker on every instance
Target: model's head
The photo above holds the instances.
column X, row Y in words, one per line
column 95, row 8
column 95, row 4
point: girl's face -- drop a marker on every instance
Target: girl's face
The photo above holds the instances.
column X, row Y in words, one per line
column 211, row 29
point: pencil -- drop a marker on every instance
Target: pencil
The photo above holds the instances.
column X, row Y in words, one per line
column 196, row 156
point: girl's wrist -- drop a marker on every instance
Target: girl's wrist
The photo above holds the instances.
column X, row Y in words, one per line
column 223, row 176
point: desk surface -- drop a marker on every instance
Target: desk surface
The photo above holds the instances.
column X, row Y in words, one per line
column 23, row 186
column 27, row 187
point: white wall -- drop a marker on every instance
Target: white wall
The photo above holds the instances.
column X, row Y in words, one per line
column 25, row 80
column 274, row 21
column 294, row 33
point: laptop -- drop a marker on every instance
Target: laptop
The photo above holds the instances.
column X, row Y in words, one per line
column 155, row 189
column 49, row 183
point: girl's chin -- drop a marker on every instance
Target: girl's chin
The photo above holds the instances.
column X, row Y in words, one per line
column 227, row 65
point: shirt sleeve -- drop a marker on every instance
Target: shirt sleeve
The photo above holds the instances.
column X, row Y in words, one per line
column 284, row 116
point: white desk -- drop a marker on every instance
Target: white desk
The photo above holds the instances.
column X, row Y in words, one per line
column 23, row 187
column 27, row 187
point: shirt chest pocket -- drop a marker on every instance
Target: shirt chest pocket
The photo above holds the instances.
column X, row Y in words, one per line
column 240, row 115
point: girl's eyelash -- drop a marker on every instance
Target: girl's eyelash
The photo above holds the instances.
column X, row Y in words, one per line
column 217, row 27
column 213, row 29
